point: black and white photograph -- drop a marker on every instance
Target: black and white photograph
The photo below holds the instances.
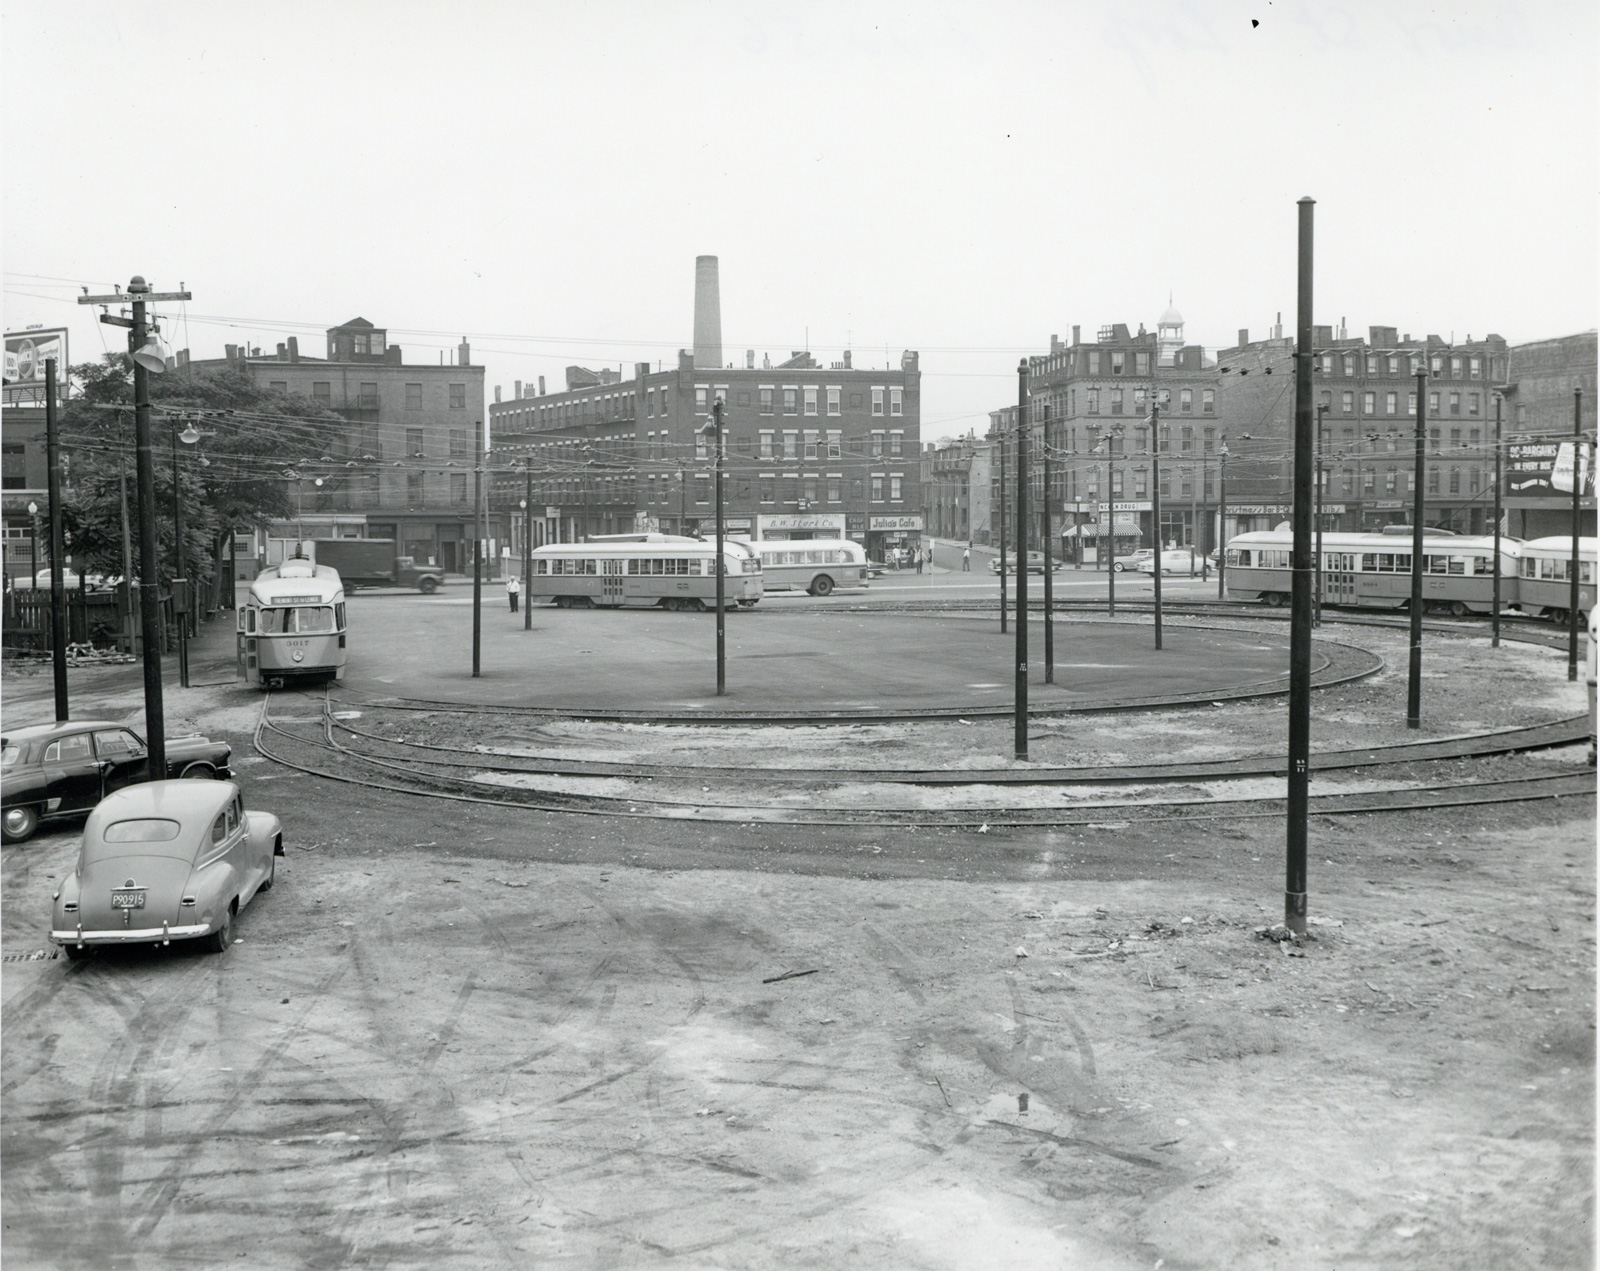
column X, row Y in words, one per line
column 922, row 637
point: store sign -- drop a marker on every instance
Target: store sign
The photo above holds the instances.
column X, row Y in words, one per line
column 894, row 522
column 1529, row 467
column 1089, row 505
column 803, row 521
column 1570, row 455
column 1263, row 509
column 26, row 352
column 736, row 523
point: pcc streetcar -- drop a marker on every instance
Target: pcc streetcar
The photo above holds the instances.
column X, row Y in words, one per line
column 816, row 565
column 650, row 570
column 292, row 625
column 1546, row 583
column 1373, row 571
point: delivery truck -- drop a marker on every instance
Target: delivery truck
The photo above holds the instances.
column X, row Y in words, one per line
column 371, row 562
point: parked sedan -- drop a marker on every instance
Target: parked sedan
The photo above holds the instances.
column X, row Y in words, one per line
column 165, row 861
column 1035, row 563
column 50, row 771
column 1133, row 560
column 1176, row 560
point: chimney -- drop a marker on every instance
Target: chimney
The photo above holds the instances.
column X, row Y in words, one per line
column 283, row 353
column 497, row 393
column 749, row 359
column 541, row 386
column 294, row 348
column 847, row 359
column 1075, row 334
column 518, row 383
column 464, row 352
column 707, row 313
column 232, row 351
column 1244, row 336
column 766, row 361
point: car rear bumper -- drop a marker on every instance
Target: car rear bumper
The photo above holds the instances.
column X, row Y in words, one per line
column 138, row 935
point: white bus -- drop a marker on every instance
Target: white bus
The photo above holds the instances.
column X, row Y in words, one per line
column 662, row 570
column 816, row 565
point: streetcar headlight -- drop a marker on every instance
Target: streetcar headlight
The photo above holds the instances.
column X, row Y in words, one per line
column 299, row 655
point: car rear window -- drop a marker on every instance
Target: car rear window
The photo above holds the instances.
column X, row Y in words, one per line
column 147, row 830
column 9, row 755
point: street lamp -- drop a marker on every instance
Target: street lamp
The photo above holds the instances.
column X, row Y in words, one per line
column 33, row 547
column 1316, row 590
column 1111, row 522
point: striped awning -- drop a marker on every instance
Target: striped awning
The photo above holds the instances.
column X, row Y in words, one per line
column 1126, row 527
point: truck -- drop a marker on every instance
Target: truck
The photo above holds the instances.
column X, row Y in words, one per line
column 371, row 562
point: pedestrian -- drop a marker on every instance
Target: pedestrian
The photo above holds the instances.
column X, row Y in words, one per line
column 513, row 590
column 966, row 560
column 916, row 555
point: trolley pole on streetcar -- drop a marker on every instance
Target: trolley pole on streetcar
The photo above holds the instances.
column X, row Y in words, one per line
column 1494, row 603
column 477, row 553
column 58, row 595
column 147, row 357
column 1414, row 675
column 1316, row 590
column 1155, row 500
column 1294, row 891
column 1002, row 529
column 715, row 429
column 527, row 541
column 1573, row 612
column 1021, row 730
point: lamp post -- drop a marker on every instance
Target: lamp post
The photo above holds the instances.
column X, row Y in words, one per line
column 180, row 584
column 1021, row 721
column 1574, row 614
column 1155, row 500
column 1222, row 519
column 477, row 549
column 714, row 431
column 527, row 542
column 1002, row 557
column 33, row 547
column 1111, row 522
column 58, row 595
column 1047, row 542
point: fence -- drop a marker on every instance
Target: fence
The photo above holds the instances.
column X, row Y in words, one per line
column 102, row 617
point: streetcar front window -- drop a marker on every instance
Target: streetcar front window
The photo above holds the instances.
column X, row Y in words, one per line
column 308, row 621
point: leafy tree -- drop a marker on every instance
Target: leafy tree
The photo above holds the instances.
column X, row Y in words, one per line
column 233, row 476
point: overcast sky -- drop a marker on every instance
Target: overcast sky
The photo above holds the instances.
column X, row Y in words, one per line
column 963, row 179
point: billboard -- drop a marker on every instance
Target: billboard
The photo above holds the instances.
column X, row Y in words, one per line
column 26, row 352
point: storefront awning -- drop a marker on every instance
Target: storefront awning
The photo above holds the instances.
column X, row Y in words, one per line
column 1126, row 527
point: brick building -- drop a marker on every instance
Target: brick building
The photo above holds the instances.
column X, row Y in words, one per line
column 403, row 467
column 1365, row 390
column 1538, row 414
column 810, row 451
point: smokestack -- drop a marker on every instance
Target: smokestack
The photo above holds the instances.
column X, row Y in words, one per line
column 294, row 349
column 541, row 386
column 497, row 392
column 518, row 393
column 1075, row 337
column 707, row 313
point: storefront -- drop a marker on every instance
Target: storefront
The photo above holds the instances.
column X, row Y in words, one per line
column 898, row 534
column 800, row 525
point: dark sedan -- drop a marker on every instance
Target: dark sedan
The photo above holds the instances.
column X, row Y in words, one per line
column 50, row 771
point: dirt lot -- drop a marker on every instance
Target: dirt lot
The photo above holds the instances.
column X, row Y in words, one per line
column 458, row 1036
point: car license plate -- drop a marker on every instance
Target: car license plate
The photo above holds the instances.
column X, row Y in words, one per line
column 127, row 900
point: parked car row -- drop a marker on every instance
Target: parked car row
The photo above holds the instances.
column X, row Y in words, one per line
column 1035, row 563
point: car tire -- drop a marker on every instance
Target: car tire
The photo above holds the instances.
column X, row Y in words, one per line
column 198, row 772
column 821, row 585
column 19, row 823
column 272, row 874
column 428, row 586
column 77, row 952
column 220, row 939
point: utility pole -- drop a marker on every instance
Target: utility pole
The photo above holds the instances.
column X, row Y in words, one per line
column 180, row 583
column 146, row 356
column 1574, row 614
column 1047, row 540
column 1414, row 680
column 1316, row 591
column 1222, row 520
column 1294, row 888
column 1002, row 529
column 1494, row 615
column 58, row 595
column 1155, row 500
column 722, row 648
column 1021, row 722
column 477, row 549
column 527, row 542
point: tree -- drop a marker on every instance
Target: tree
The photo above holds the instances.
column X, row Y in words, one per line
column 234, row 476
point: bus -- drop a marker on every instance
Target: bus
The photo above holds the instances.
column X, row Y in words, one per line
column 1373, row 571
column 816, row 565
column 1546, row 585
column 292, row 625
column 664, row 571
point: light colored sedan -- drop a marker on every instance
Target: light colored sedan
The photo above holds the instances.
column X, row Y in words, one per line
column 165, row 861
column 1176, row 560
